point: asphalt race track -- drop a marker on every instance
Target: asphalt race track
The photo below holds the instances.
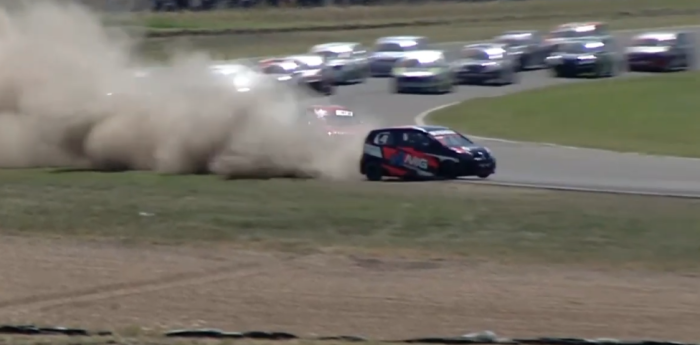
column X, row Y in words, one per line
column 537, row 165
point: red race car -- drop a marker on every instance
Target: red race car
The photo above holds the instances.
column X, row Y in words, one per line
column 336, row 120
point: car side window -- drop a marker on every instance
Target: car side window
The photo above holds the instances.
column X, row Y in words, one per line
column 383, row 139
column 415, row 140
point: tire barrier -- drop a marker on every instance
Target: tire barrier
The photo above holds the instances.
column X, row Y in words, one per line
column 35, row 330
column 485, row 337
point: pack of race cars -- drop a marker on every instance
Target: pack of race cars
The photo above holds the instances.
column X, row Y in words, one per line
column 581, row 49
column 427, row 152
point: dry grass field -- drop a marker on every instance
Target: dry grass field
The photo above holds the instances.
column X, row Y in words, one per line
column 137, row 250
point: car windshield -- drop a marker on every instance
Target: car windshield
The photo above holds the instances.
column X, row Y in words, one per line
column 579, row 48
column 393, row 47
column 478, row 54
column 415, row 63
column 452, row 139
column 330, row 55
column 571, row 33
column 511, row 42
column 275, row 69
column 305, row 65
column 651, row 42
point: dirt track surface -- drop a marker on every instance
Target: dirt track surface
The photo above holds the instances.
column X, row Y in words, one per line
column 110, row 285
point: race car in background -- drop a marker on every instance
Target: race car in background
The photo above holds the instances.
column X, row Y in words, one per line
column 242, row 78
column 335, row 120
column 567, row 31
column 423, row 71
column 661, row 51
column 423, row 152
column 305, row 69
column 348, row 61
column 484, row 63
column 527, row 46
column 589, row 57
column 388, row 50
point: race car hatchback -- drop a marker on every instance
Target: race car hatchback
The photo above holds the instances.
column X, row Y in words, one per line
column 423, row 152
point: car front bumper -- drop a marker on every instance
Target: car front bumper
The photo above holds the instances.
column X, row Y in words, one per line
column 648, row 61
column 576, row 67
column 476, row 167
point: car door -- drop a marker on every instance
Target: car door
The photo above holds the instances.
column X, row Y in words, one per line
column 413, row 153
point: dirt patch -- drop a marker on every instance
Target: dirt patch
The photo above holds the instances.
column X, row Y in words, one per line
column 113, row 285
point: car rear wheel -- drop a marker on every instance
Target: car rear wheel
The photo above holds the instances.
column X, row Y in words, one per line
column 373, row 172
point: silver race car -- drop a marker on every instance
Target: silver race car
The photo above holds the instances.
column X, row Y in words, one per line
column 306, row 70
column 661, row 51
column 388, row 50
column 423, row 70
column 568, row 31
column 527, row 46
column 348, row 60
column 485, row 63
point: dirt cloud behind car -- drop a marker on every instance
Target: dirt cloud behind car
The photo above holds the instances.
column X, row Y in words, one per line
column 69, row 98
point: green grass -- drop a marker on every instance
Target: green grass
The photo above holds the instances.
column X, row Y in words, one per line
column 247, row 45
column 271, row 18
column 439, row 21
column 655, row 115
column 432, row 219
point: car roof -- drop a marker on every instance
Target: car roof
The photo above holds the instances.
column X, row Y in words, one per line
column 334, row 46
column 312, row 59
column 517, row 33
column 425, row 129
column 659, row 35
column 397, row 39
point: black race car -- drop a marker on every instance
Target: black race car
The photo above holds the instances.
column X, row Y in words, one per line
column 590, row 57
column 661, row 51
column 527, row 46
column 423, row 152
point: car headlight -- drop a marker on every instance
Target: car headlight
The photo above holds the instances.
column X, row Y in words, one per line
column 490, row 66
column 586, row 59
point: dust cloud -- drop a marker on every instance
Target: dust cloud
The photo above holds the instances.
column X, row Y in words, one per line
column 69, row 97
